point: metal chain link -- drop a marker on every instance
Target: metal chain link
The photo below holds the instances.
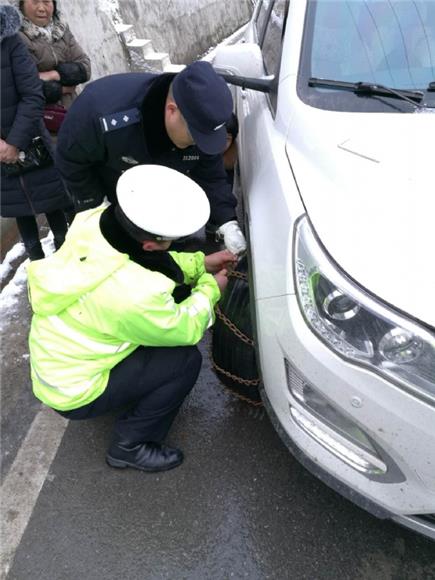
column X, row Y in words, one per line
column 246, row 399
column 247, row 382
column 234, row 328
column 236, row 274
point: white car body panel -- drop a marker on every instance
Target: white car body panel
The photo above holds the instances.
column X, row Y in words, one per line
column 365, row 181
column 401, row 424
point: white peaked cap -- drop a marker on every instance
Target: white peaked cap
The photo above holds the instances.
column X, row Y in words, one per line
column 162, row 201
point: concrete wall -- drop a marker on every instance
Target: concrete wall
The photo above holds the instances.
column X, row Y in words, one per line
column 185, row 28
column 94, row 30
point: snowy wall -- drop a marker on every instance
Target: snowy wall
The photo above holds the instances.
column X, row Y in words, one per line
column 94, row 30
column 183, row 28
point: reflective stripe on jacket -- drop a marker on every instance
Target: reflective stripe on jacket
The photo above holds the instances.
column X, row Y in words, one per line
column 93, row 306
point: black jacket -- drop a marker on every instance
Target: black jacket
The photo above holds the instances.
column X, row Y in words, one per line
column 117, row 122
column 22, row 105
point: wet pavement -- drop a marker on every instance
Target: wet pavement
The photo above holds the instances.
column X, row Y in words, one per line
column 240, row 506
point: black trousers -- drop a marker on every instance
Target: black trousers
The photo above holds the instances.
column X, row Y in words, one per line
column 154, row 381
column 29, row 232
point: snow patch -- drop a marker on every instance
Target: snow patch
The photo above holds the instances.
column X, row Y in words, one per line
column 111, row 8
column 425, row 111
column 6, row 266
column 12, row 292
column 234, row 38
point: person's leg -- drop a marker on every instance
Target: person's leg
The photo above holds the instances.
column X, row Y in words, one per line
column 168, row 378
column 29, row 232
column 58, row 225
column 155, row 382
column 70, row 214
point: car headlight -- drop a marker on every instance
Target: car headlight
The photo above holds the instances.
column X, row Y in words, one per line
column 356, row 325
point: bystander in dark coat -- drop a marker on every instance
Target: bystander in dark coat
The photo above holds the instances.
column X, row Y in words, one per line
column 22, row 103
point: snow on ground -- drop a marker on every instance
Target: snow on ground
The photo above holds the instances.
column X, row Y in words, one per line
column 12, row 292
column 6, row 266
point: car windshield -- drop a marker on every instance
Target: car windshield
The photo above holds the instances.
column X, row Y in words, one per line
column 386, row 42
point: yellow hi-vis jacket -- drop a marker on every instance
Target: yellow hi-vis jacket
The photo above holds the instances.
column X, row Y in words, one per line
column 93, row 306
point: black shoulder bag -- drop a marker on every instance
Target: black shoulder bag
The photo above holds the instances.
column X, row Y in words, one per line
column 36, row 156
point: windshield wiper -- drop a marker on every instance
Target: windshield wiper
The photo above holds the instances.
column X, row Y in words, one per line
column 369, row 89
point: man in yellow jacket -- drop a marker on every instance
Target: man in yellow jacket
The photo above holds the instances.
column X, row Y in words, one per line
column 117, row 316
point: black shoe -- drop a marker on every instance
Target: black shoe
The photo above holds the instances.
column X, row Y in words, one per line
column 58, row 242
column 148, row 456
column 35, row 252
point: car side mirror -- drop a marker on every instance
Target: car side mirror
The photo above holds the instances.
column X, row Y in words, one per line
column 242, row 65
column 264, row 84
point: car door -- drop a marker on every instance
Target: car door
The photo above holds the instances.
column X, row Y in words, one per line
column 267, row 32
column 265, row 172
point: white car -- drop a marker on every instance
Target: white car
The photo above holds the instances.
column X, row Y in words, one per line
column 336, row 106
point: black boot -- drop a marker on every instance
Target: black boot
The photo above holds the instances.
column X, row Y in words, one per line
column 58, row 242
column 148, row 456
column 35, row 252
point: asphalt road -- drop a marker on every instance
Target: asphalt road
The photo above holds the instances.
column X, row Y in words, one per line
column 239, row 507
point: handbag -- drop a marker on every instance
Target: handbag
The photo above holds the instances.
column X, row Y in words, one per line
column 54, row 116
column 35, row 157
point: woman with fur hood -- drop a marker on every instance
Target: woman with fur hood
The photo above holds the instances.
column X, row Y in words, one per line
column 41, row 190
column 61, row 62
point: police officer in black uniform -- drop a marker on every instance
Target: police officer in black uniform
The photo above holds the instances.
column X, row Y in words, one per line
column 175, row 120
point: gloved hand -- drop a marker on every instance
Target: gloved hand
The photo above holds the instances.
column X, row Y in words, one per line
column 233, row 237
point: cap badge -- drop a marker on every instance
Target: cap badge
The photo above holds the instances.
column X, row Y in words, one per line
column 130, row 160
column 218, row 127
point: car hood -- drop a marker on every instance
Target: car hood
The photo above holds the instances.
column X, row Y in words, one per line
column 367, row 183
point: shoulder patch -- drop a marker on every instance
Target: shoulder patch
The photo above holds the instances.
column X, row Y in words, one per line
column 120, row 120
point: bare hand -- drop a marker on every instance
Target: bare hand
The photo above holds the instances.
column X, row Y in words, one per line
column 221, row 278
column 49, row 75
column 8, row 153
column 220, row 261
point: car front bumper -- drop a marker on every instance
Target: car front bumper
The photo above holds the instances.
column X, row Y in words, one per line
column 401, row 427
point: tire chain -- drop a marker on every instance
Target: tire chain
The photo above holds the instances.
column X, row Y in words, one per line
column 243, row 338
column 245, row 399
column 247, row 382
column 236, row 274
column 234, row 328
